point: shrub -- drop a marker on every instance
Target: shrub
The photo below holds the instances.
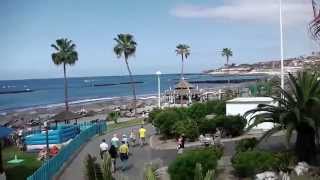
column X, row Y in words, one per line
column 183, row 168
column 113, row 116
column 165, row 121
column 153, row 114
column 286, row 160
column 197, row 111
column 249, row 163
column 246, row 144
column 207, row 126
column 231, row 125
column 188, row 127
column 216, row 107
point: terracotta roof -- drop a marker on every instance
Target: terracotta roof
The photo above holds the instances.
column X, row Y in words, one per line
column 65, row 115
column 183, row 84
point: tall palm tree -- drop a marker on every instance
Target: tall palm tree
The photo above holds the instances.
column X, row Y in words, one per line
column 297, row 111
column 65, row 54
column 184, row 51
column 126, row 47
column 227, row 52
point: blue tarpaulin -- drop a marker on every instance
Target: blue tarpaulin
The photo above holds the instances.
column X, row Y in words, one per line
column 4, row 131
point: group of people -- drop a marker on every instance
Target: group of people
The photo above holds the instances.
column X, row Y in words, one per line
column 121, row 148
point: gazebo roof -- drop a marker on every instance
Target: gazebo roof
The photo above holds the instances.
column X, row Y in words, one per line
column 183, row 84
column 65, row 115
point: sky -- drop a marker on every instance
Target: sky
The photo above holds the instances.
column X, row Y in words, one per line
column 249, row 27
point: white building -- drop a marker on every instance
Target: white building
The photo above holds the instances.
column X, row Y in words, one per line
column 241, row 105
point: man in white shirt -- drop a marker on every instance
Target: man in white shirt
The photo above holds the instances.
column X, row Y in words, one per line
column 103, row 148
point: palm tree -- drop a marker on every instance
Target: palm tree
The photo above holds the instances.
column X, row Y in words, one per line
column 297, row 111
column 184, row 51
column 64, row 54
column 227, row 52
column 126, row 46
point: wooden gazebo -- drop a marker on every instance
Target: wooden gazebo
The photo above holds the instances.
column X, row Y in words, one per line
column 183, row 93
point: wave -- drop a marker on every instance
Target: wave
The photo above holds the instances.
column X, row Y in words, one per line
column 75, row 102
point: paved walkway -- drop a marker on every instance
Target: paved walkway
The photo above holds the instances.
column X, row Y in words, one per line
column 76, row 169
column 140, row 156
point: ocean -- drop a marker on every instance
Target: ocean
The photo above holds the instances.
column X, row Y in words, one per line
column 50, row 92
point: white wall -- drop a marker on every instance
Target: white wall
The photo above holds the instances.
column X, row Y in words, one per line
column 240, row 108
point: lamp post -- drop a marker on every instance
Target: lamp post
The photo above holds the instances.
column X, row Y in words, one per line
column 46, row 126
column 159, row 95
column 281, row 45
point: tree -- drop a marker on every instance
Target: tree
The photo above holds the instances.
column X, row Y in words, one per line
column 65, row 54
column 113, row 116
column 126, row 47
column 296, row 111
column 184, row 51
column 227, row 52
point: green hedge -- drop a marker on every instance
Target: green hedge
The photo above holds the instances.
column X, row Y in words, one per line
column 192, row 121
column 249, row 163
column 246, row 144
column 183, row 168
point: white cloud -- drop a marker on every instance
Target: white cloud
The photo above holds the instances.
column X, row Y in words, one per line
column 257, row 11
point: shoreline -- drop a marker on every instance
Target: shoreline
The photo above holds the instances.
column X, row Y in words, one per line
column 99, row 106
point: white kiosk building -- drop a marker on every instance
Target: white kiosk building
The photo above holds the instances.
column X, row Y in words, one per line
column 241, row 105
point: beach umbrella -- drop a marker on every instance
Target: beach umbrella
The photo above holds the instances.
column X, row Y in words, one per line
column 4, row 132
column 65, row 116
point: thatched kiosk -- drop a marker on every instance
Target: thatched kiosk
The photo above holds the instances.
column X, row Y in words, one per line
column 183, row 93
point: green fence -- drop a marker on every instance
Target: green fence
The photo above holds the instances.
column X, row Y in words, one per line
column 52, row 166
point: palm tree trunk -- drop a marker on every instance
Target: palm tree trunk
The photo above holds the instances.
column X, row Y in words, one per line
column 133, row 88
column 305, row 144
column 1, row 165
column 65, row 88
column 228, row 70
column 182, row 63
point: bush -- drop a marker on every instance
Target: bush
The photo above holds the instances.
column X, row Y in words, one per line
column 113, row 116
column 286, row 160
column 249, row 163
column 231, row 125
column 216, row 107
column 207, row 126
column 246, row 144
column 197, row 111
column 165, row 121
column 188, row 127
column 153, row 114
column 183, row 168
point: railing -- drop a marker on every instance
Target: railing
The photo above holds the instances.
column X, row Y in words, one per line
column 49, row 168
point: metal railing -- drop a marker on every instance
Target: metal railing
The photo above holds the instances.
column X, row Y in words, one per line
column 52, row 166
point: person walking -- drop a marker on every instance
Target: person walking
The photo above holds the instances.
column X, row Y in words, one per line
column 115, row 141
column 132, row 138
column 103, row 148
column 125, row 139
column 124, row 154
column 142, row 135
column 113, row 154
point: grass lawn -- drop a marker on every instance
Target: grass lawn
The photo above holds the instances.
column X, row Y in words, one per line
column 22, row 170
column 134, row 122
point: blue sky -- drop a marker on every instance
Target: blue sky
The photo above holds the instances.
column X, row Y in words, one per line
column 249, row 27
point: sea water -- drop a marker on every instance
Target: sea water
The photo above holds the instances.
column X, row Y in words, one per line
column 50, row 92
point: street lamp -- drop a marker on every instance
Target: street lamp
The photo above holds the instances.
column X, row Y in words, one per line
column 46, row 126
column 159, row 95
column 281, row 45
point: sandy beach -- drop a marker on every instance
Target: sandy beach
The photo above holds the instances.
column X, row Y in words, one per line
column 98, row 110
